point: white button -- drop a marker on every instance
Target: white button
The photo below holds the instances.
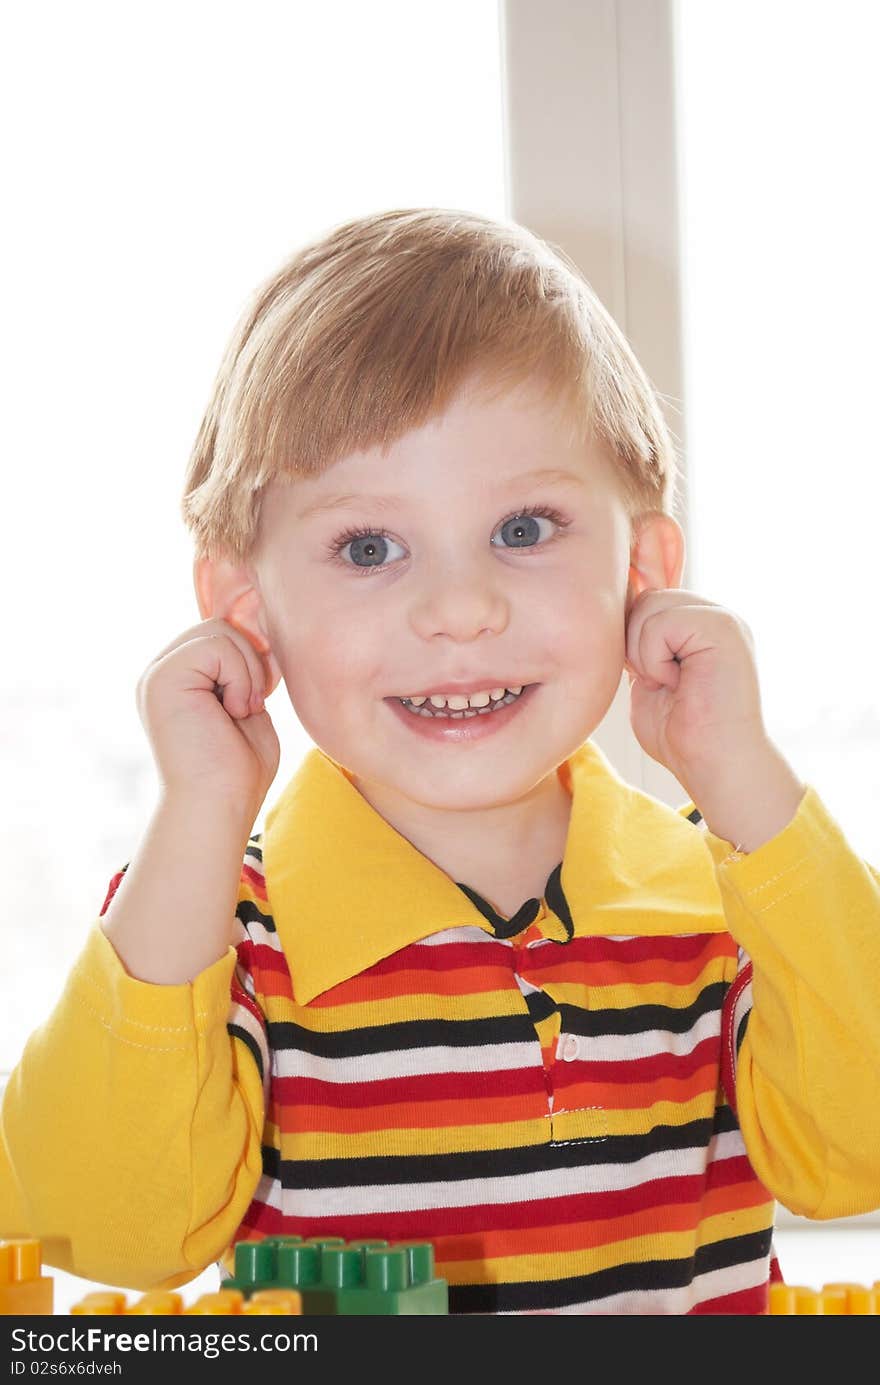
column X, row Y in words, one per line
column 570, row 1048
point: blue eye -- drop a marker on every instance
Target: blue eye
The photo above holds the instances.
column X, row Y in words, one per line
column 369, row 547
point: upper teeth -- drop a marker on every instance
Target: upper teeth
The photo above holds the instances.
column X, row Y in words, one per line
column 457, row 703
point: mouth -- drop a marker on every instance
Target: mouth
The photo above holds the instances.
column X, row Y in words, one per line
column 453, row 724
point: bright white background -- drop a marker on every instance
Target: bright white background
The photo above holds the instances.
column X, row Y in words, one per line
column 778, row 119
column 164, row 162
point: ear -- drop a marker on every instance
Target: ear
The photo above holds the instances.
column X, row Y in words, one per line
column 230, row 591
column 657, row 555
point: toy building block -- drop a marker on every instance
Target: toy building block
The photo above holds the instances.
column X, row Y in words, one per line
column 859, row 1298
column 338, row 1277
column 224, row 1301
column 156, row 1302
column 23, row 1288
column 837, row 1298
column 113, row 1303
column 274, row 1301
column 106, row 1303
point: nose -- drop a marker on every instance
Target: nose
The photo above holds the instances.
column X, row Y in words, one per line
column 461, row 600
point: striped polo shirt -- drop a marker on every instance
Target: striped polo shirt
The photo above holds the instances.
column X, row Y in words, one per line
column 550, row 1098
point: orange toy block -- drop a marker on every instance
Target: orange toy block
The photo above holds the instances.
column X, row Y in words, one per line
column 23, row 1288
column 836, row 1298
column 105, row 1303
column 113, row 1303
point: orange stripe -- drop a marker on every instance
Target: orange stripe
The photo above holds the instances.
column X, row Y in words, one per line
column 459, row 981
column 567, row 1236
column 637, row 1096
column 628, row 974
column 734, row 1197
column 274, row 983
column 426, row 1115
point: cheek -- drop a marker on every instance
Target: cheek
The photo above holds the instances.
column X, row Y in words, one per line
column 329, row 648
column 582, row 617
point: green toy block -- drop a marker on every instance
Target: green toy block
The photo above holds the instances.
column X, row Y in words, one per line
column 344, row 1278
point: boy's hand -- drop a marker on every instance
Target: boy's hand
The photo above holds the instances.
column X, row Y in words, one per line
column 695, row 707
column 200, row 701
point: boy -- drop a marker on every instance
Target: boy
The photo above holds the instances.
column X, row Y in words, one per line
column 467, row 986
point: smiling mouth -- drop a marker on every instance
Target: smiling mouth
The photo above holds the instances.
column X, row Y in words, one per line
column 467, row 713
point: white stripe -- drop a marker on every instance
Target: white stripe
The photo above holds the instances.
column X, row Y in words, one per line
column 511, row 1190
column 255, row 932
column 417, row 1062
column 408, row 1062
column 465, row 933
column 241, row 1016
column 651, row 1042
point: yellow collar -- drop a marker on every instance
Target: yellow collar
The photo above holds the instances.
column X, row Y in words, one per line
column 346, row 889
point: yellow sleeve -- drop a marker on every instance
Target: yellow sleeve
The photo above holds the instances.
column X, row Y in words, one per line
column 130, row 1139
column 806, row 909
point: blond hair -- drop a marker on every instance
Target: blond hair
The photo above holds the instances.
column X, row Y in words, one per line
column 372, row 329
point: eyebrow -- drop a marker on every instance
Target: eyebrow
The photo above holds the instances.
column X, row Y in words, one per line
column 394, row 502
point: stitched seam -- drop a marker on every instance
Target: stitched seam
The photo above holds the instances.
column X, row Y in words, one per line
column 139, row 1024
column 150, row 1048
column 584, row 1139
column 763, row 908
column 788, row 869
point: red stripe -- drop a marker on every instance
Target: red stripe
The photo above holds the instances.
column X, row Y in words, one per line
column 728, row 1035
column 443, row 957
column 465, row 1086
column 113, row 887
column 262, row 957
column 648, row 1069
column 751, row 1301
column 242, row 998
column 256, row 879
column 426, row 1223
column 662, row 949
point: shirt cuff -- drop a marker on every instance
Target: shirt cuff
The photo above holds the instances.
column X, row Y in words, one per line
column 145, row 1012
column 794, row 855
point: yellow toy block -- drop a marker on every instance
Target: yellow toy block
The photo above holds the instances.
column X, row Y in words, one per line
column 23, row 1289
column 832, row 1298
column 105, row 1303
column 157, row 1301
column 113, row 1303
column 859, row 1298
column 223, row 1301
column 274, row 1301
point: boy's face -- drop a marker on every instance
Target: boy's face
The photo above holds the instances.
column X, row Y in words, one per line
column 463, row 587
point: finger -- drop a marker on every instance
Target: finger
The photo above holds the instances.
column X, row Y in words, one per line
column 232, row 666
column 216, row 628
column 650, row 653
column 648, row 604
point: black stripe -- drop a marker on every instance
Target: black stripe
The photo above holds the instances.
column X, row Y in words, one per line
column 734, row 1250
column 539, row 1006
column 635, row 1019
column 405, row 1034
column 588, row 1288
column 377, row 1170
column 725, row 1121
column 254, row 847
column 502, row 927
column 557, row 902
column 249, row 1042
column 249, row 912
column 434, row 1033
